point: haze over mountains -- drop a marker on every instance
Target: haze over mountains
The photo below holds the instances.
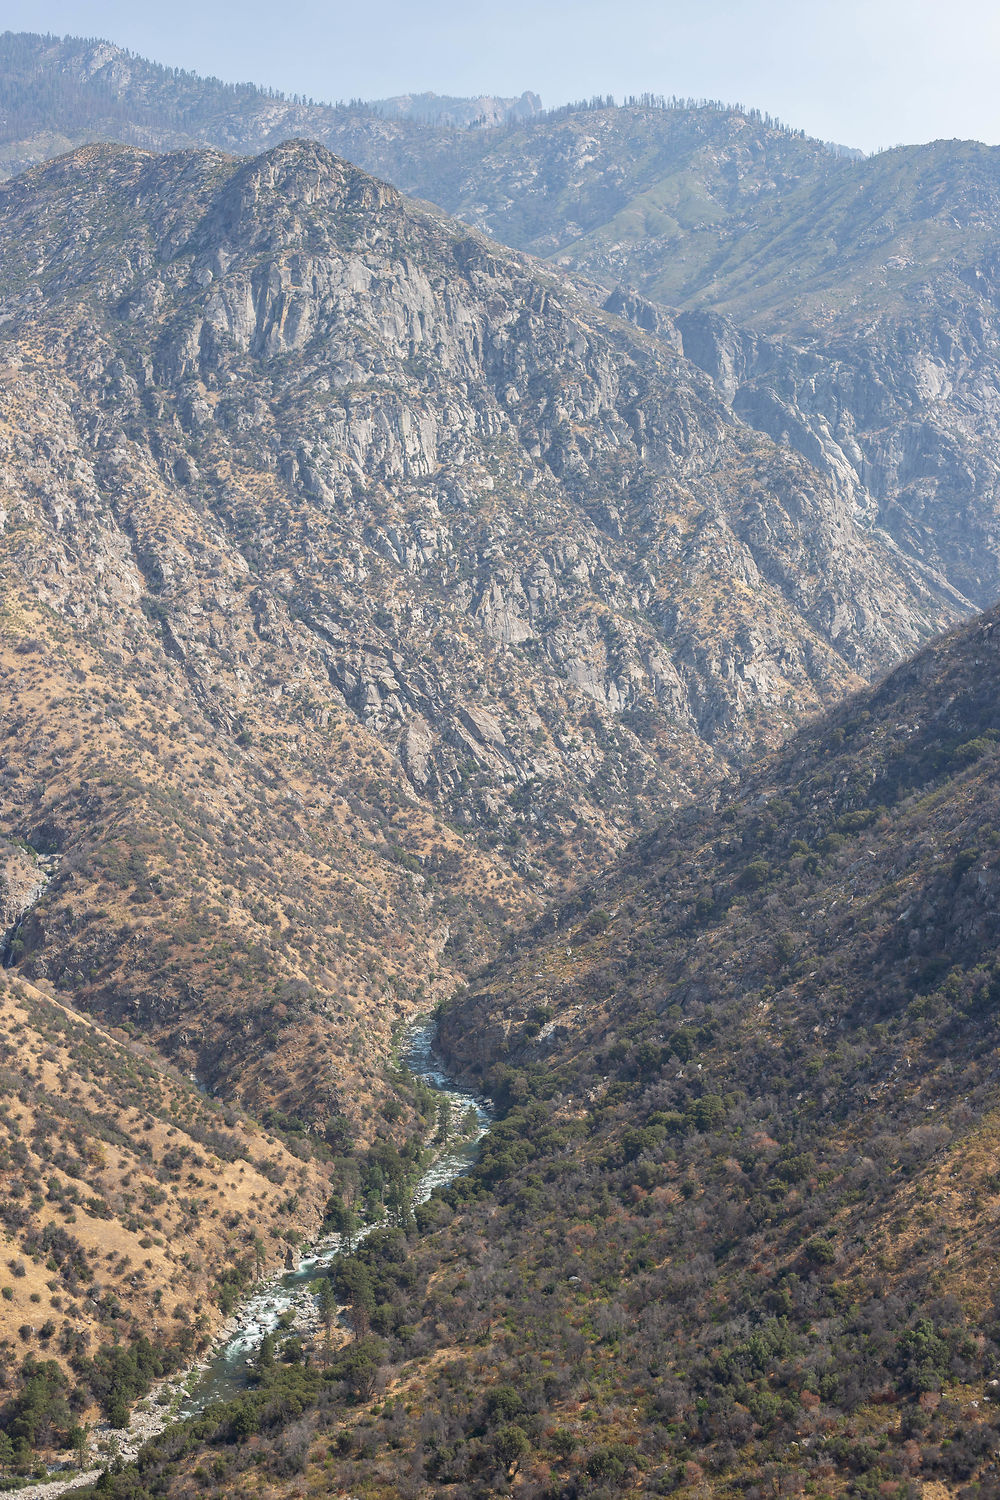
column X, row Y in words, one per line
column 398, row 520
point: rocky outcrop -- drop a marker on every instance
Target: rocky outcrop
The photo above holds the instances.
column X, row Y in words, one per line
column 430, row 428
column 869, row 284
column 904, row 422
column 385, row 583
column 22, row 880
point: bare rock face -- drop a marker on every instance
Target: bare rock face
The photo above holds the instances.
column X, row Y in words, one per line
column 903, row 420
column 22, row 881
column 417, row 745
column 846, row 307
column 390, row 422
column 420, row 581
column 436, row 109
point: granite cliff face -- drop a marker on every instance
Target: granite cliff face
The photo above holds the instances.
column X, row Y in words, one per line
column 858, row 296
column 902, row 419
column 858, row 325
column 394, row 535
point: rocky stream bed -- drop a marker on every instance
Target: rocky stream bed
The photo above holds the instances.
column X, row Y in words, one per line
column 225, row 1369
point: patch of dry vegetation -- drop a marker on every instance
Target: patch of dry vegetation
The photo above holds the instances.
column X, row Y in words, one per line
column 130, row 1202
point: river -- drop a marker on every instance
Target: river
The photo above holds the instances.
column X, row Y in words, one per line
column 228, row 1371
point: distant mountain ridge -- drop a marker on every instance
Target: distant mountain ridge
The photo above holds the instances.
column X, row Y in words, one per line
column 445, row 109
column 59, row 92
column 858, row 297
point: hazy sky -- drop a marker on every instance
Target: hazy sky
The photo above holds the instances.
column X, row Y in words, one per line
column 866, row 73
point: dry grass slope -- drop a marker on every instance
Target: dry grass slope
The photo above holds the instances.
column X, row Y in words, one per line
column 131, row 1203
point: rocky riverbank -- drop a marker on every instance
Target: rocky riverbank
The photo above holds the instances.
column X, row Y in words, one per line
column 283, row 1299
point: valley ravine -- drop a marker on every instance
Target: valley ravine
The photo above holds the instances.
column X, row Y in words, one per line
column 227, row 1370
